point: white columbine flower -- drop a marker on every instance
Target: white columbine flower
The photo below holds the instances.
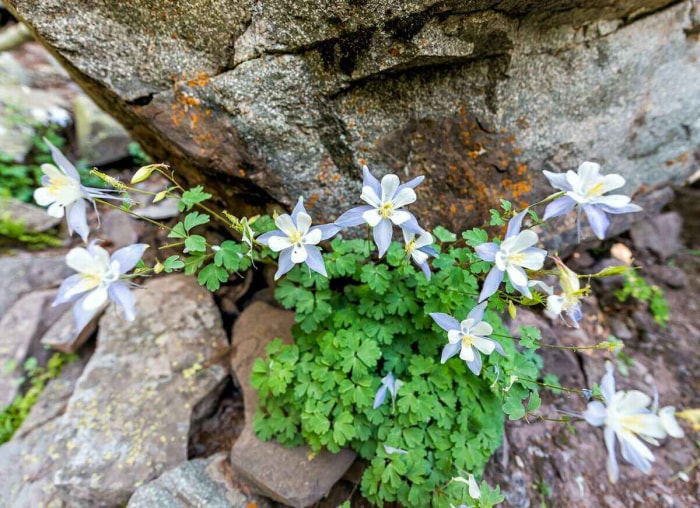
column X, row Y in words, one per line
column 585, row 190
column 515, row 253
column 99, row 280
column 384, row 209
column 420, row 249
column 627, row 417
column 467, row 338
column 62, row 192
column 296, row 240
column 569, row 302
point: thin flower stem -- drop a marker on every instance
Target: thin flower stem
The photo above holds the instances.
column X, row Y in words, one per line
column 555, row 346
column 133, row 214
column 176, row 244
column 546, row 419
column 553, row 387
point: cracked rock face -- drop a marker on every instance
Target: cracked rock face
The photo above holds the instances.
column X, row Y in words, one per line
column 265, row 101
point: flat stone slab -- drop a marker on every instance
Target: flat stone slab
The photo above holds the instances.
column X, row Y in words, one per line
column 294, row 476
column 65, row 337
column 25, row 272
column 32, row 217
column 197, row 483
column 129, row 417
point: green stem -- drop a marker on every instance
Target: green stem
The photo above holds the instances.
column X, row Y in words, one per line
column 133, row 214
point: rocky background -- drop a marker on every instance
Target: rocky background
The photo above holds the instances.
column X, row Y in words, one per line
column 158, row 412
column 266, row 101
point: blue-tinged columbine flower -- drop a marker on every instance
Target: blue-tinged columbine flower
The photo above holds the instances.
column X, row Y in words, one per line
column 390, row 384
column 468, row 338
column 296, row 240
column 627, row 417
column 384, row 209
column 585, row 190
column 515, row 253
column 569, row 302
column 62, row 192
column 99, row 280
column 420, row 249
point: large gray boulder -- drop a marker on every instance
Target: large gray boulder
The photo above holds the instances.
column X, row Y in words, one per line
column 281, row 98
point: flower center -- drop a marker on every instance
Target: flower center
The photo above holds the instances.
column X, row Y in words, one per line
column 410, row 246
column 296, row 237
column 61, row 183
column 595, row 191
column 386, row 210
column 468, row 340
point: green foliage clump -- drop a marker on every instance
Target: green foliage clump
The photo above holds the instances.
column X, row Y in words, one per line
column 368, row 319
column 12, row 233
column 636, row 287
column 12, row 415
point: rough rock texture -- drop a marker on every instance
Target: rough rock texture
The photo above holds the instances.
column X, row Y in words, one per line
column 26, row 272
column 280, row 99
column 101, row 138
column 22, row 327
column 32, row 217
column 28, row 462
column 63, row 335
column 294, row 476
column 200, row 483
column 165, row 369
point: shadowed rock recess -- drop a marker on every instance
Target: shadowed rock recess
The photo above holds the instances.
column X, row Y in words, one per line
column 265, row 101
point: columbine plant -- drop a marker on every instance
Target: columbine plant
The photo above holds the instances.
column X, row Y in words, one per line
column 371, row 324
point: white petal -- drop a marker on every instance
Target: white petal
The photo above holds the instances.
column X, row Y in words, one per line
column 303, row 222
column 588, row 172
column 312, row 237
column 467, row 354
column 372, row 217
column 299, row 254
column 419, row 256
column 95, row 298
column 84, row 284
column 404, row 197
column 56, row 210
column 484, row 345
column 370, row 197
column 80, row 260
column 408, row 236
column 279, row 243
column 517, row 275
column 43, row 196
column 668, row 420
column 51, row 171
column 613, row 200
column 454, row 336
column 286, row 224
column 524, row 240
column 424, row 240
column 466, row 325
column 632, row 401
column 595, row 413
column 612, row 182
column 482, row 328
column 389, row 185
column 555, row 304
column 399, row 217
column 533, row 259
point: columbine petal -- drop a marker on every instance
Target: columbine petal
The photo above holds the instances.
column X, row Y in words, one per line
column 533, row 258
column 373, row 217
column 449, row 351
column 303, row 222
column 612, row 182
column 477, row 313
column 595, row 413
column 389, row 185
column 411, row 225
column 607, row 384
column 56, row 210
column 445, row 321
column 424, row 240
column 312, row 237
column 120, row 294
column 76, row 217
column 467, row 354
column 314, row 260
column 279, row 243
column 327, row 230
column 284, row 263
column 128, row 257
column 411, row 184
column 613, row 201
column 588, row 172
column 368, row 180
column 475, row 364
column 298, row 208
column 597, row 219
column 486, row 346
column 636, row 452
column 43, row 196
column 524, row 240
column 515, row 224
column 380, row 396
column 299, row 253
column 369, row 196
column 62, row 162
column 487, row 251
column 493, row 280
column 523, row 289
column 71, row 288
column 667, row 415
column 454, row 336
column 95, row 298
column 630, row 208
column 382, row 236
column 482, row 329
column 516, row 275
column 265, row 237
column 80, row 260
column 404, row 197
column 285, row 224
column 399, row 217
column 557, row 180
column 81, row 315
column 353, row 217
column 559, row 206
column 611, row 464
